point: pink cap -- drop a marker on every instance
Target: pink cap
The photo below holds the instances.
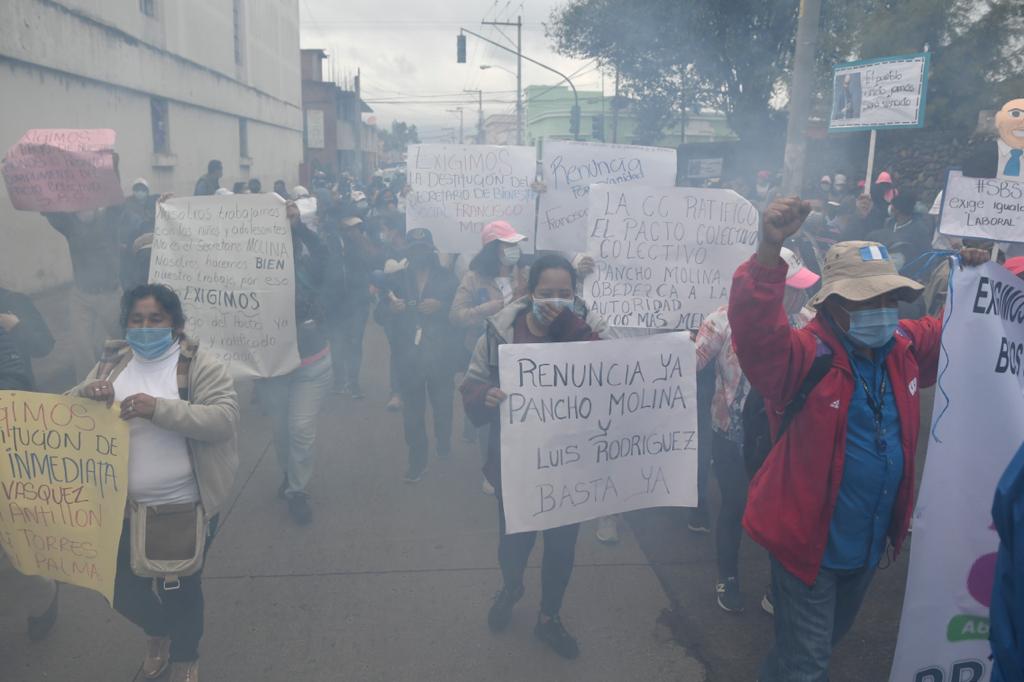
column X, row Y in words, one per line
column 764, row 175
column 825, row 178
column 884, row 177
column 798, row 275
column 501, row 231
column 1015, row 265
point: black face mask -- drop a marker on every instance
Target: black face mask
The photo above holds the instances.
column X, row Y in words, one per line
column 422, row 261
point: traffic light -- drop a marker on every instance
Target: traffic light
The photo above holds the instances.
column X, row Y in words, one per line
column 460, row 48
column 574, row 121
column 597, row 127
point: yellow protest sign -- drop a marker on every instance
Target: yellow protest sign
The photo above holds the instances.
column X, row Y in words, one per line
column 63, row 484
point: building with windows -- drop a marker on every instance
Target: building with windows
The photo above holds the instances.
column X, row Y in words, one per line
column 180, row 81
column 548, row 114
column 500, row 129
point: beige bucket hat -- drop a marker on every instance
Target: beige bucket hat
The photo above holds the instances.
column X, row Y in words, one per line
column 859, row 271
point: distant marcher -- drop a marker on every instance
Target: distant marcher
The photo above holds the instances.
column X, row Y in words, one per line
column 494, row 280
column 349, row 317
column 392, row 236
column 292, row 402
column 912, row 231
column 420, row 298
column 25, row 328
column 255, row 186
column 240, row 187
column 207, row 184
column 861, row 223
column 282, row 190
column 137, row 217
column 94, row 303
column 550, row 314
column 182, row 409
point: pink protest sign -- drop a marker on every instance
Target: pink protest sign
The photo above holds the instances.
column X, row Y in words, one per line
column 62, row 170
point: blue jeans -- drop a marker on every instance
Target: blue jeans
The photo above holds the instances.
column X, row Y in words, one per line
column 810, row 621
column 292, row 403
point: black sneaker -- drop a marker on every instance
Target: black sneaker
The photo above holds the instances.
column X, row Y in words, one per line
column 414, row 475
column 500, row 614
column 699, row 521
column 299, row 509
column 554, row 634
column 729, row 596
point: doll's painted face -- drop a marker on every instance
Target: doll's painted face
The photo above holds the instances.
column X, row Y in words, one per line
column 1010, row 122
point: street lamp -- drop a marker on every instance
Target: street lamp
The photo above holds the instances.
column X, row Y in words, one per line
column 484, row 67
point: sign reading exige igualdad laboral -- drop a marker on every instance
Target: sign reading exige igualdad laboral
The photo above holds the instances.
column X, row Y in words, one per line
column 63, row 483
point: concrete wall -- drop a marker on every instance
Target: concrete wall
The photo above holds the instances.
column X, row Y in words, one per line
column 96, row 64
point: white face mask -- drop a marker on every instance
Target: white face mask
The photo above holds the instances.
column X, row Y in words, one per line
column 510, row 255
column 141, row 194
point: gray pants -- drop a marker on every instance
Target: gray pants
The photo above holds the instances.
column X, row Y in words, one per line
column 292, row 403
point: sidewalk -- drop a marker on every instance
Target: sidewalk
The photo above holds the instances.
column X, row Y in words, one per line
column 391, row 582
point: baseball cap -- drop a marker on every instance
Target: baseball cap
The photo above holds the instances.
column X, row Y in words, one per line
column 1015, row 265
column 798, row 275
column 140, row 181
column 859, row 271
column 419, row 236
column 825, row 178
column 840, row 179
column 501, row 231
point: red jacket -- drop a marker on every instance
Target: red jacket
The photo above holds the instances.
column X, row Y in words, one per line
column 792, row 497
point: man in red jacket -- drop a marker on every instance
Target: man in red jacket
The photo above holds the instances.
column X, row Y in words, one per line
column 839, row 483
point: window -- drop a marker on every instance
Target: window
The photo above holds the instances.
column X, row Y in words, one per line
column 243, row 138
column 236, row 17
column 161, row 126
column 148, row 7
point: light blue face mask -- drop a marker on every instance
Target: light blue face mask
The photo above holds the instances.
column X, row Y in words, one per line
column 873, row 327
column 560, row 303
column 149, row 343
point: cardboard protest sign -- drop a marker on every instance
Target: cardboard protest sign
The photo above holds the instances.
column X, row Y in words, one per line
column 880, row 93
column 457, row 189
column 945, row 623
column 230, row 260
column 985, row 208
column 665, row 257
column 570, row 168
column 596, row 428
column 63, row 485
column 62, row 171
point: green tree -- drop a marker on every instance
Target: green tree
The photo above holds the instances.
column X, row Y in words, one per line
column 399, row 137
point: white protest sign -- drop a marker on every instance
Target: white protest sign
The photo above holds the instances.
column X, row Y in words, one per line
column 985, row 208
column 880, row 93
column 230, row 260
column 457, row 189
column 570, row 168
column 597, row 427
column 976, row 430
column 665, row 257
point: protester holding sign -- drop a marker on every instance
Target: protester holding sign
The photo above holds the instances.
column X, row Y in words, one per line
column 183, row 413
column 419, row 301
column 1007, row 610
column 293, row 401
column 550, row 314
column 714, row 345
column 840, row 480
column 494, row 280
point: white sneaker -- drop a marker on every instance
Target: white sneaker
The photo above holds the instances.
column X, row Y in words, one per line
column 607, row 530
column 766, row 604
column 487, row 488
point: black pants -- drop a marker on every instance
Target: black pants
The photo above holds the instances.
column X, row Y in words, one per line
column 177, row 614
column 705, row 393
column 732, row 482
column 437, row 384
column 556, row 566
column 347, row 344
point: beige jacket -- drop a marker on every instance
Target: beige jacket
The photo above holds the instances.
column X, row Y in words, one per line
column 208, row 419
column 467, row 312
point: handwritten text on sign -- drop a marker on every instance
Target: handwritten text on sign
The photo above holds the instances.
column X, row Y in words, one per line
column 63, row 482
column 665, row 257
column 458, row 189
column 570, row 168
column 596, row 428
column 230, row 260
column 62, row 171
column 880, row 93
column 985, row 208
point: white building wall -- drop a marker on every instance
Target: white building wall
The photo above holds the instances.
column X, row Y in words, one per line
column 97, row 63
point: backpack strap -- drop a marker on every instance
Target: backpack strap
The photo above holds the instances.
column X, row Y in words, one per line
column 819, row 368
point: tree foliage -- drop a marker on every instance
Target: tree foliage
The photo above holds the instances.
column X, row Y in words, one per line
column 399, row 137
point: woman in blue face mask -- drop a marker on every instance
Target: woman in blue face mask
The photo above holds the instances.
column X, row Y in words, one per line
column 550, row 314
column 182, row 409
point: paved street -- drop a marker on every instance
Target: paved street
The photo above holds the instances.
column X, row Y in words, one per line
column 392, row 582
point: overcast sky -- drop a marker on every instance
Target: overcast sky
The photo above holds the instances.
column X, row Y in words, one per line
column 406, row 52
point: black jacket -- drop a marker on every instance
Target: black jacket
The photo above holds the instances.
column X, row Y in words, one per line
column 439, row 342
column 310, row 260
column 31, row 337
column 15, row 372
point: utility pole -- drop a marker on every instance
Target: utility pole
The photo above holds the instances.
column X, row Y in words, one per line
column 519, row 70
column 480, row 116
column 357, row 129
column 800, row 91
column 615, row 110
column 460, row 112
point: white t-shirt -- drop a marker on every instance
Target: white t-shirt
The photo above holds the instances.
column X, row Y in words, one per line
column 159, row 468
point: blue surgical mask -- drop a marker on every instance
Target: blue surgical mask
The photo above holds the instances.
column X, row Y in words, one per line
column 560, row 303
column 149, row 343
column 873, row 327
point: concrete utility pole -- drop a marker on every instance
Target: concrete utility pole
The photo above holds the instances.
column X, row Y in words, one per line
column 461, row 113
column 480, row 116
column 519, row 70
column 357, row 128
column 800, row 91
